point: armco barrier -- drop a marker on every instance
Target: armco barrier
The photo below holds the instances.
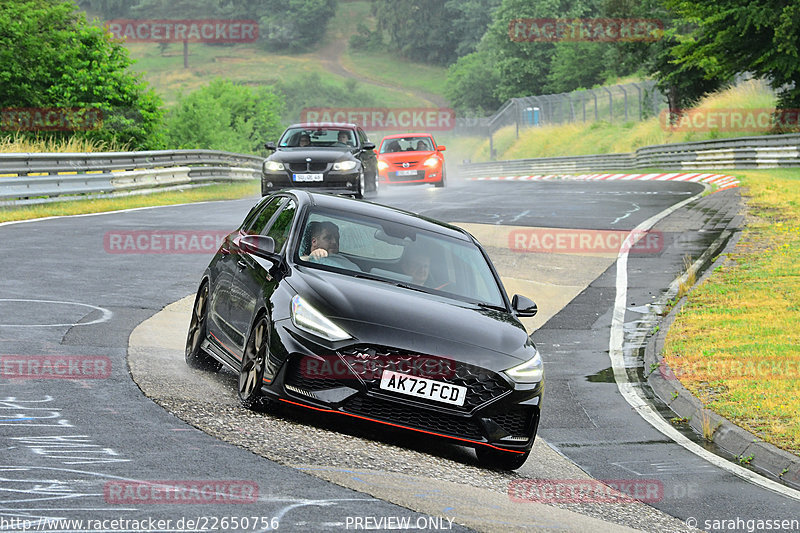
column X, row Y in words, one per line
column 768, row 151
column 38, row 178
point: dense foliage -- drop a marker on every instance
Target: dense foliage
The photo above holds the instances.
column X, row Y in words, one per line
column 70, row 77
column 225, row 116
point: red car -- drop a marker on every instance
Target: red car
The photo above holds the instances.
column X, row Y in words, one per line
column 411, row 158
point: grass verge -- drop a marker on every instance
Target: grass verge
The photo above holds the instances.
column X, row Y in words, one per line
column 735, row 344
column 226, row 191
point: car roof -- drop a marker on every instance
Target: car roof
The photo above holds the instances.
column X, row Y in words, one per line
column 307, row 125
column 361, row 207
column 401, row 135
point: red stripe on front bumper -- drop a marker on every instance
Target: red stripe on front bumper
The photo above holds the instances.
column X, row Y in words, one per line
column 397, row 425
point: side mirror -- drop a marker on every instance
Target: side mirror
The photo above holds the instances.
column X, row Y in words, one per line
column 270, row 146
column 440, row 148
column 523, row 306
column 259, row 245
column 368, row 146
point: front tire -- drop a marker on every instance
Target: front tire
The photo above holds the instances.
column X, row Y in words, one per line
column 360, row 186
column 194, row 355
column 441, row 182
column 251, row 374
column 497, row 460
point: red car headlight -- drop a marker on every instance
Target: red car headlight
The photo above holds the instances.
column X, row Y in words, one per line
column 432, row 162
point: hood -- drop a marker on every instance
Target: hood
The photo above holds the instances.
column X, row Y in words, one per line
column 298, row 155
column 380, row 313
column 392, row 157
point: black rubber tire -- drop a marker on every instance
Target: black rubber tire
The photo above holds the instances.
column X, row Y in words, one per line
column 497, row 460
column 254, row 359
column 360, row 186
column 194, row 355
column 442, row 181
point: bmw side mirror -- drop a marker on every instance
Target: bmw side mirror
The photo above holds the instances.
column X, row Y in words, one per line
column 523, row 306
column 368, row 146
column 270, row 146
column 259, row 245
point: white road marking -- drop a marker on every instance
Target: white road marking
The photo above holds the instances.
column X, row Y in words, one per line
column 105, row 318
column 630, row 391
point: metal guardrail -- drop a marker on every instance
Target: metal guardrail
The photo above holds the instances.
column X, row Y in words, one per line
column 767, row 151
column 38, row 178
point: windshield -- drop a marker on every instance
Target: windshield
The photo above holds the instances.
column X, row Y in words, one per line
column 401, row 254
column 317, row 137
column 407, row 144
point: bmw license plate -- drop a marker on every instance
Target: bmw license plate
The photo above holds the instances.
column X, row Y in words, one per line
column 307, row 177
column 406, row 172
column 423, row 388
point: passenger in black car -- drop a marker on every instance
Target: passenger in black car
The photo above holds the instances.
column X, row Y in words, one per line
column 304, row 140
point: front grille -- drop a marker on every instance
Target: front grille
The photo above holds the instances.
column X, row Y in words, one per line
column 413, row 417
column 410, row 164
column 483, row 385
column 308, row 167
column 309, row 378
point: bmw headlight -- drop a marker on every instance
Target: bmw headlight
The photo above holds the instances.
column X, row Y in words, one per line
column 344, row 165
column 273, row 166
column 531, row 371
column 309, row 319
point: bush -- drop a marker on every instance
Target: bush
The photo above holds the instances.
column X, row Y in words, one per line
column 225, row 116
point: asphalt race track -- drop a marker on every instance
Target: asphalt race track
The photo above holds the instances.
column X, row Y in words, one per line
column 97, row 448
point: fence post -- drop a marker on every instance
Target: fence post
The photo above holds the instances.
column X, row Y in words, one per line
column 610, row 106
column 625, row 100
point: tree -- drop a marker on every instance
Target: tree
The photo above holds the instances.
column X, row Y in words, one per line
column 471, row 85
column 735, row 36
column 51, row 57
column 225, row 116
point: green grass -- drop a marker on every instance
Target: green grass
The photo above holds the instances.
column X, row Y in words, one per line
column 736, row 342
column 620, row 137
column 227, row 191
column 396, row 81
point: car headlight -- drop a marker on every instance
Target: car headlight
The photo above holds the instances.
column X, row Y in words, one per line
column 273, row 166
column 309, row 319
column 383, row 165
column 432, row 162
column 531, row 371
column 344, row 165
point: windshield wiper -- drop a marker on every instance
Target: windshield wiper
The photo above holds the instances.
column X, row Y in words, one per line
column 484, row 305
column 391, row 282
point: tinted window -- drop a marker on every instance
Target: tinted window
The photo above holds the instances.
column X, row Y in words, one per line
column 261, row 220
column 282, row 225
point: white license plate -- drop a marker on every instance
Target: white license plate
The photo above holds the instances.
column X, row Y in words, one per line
column 423, row 388
column 307, row 177
column 406, row 172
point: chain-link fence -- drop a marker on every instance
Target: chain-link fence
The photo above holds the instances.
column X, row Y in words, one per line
column 613, row 104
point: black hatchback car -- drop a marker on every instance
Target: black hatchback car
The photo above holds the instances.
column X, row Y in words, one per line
column 354, row 309
column 329, row 157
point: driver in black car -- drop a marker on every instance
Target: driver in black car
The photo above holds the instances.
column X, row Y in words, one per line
column 324, row 246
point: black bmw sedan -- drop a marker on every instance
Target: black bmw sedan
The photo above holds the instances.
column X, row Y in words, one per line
column 348, row 308
column 329, row 157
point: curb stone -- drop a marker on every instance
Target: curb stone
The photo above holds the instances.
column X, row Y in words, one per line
column 743, row 446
